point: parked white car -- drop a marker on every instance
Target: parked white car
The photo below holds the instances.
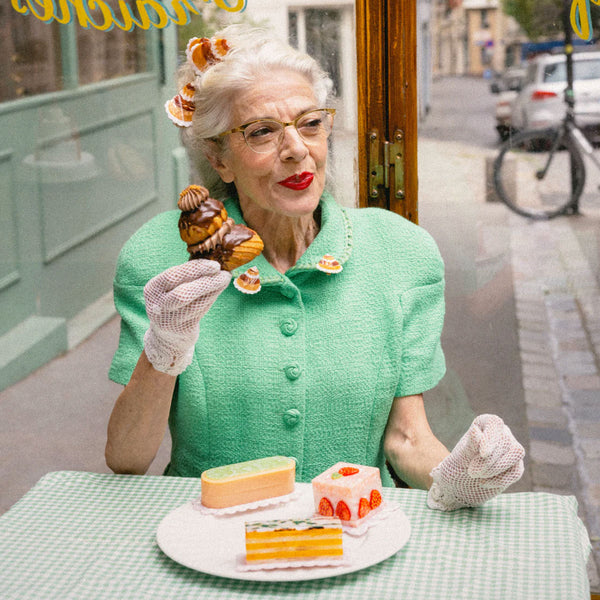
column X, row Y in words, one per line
column 507, row 86
column 541, row 104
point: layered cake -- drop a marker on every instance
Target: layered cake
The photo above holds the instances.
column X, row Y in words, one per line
column 348, row 491
column 293, row 540
column 249, row 481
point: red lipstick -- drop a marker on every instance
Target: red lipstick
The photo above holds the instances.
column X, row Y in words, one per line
column 298, row 182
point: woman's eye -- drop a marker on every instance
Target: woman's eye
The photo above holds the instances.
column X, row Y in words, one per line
column 311, row 125
column 260, row 131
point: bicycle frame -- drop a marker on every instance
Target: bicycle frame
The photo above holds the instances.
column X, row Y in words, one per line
column 569, row 127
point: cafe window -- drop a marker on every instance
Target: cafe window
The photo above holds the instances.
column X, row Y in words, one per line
column 317, row 31
column 33, row 54
column 328, row 34
column 109, row 54
column 30, row 55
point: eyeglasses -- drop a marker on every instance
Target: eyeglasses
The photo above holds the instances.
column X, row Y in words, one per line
column 265, row 135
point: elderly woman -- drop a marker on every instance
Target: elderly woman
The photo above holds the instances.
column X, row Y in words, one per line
column 321, row 367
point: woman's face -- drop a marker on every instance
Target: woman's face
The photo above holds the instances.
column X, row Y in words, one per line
column 289, row 180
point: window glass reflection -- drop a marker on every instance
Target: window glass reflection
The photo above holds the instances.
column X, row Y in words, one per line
column 30, row 55
column 109, row 54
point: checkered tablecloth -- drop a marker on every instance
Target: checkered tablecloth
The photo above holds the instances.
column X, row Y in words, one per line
column 87, row 536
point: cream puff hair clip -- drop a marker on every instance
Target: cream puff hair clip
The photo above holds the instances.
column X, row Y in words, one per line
column 201, row 54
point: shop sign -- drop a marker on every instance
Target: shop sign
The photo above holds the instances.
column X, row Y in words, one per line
column 97, row 14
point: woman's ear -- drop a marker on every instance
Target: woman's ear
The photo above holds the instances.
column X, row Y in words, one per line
column 220, row 165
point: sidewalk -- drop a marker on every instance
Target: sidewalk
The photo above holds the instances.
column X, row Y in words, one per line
column 557, row 304
column 558, row 307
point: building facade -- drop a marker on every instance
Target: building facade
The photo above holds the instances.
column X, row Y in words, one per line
column 84, row 161
column 472, row 37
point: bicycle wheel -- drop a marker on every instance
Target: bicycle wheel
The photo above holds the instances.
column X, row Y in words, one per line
column 539, row 174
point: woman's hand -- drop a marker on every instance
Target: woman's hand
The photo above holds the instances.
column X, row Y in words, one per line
column 485, row 461
column 176, row 300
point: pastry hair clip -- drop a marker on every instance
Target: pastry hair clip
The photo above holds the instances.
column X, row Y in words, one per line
column 201, row 54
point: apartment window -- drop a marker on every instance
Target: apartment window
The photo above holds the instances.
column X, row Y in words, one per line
column 485, row 18
column 33, row 54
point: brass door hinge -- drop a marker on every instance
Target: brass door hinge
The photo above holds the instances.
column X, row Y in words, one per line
column 383, row 156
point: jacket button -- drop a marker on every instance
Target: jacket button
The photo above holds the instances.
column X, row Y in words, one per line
column 291, row 417
column 292, row 372
column 288, row 326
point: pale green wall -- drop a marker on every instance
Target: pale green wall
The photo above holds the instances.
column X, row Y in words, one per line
column 63, row 222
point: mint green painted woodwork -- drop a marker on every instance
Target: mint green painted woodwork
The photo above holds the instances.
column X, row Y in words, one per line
column 68, row 38
column 35, row 341
column 9, row 267
column 80, row 170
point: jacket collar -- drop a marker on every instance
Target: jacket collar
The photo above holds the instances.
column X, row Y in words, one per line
column 334, row 238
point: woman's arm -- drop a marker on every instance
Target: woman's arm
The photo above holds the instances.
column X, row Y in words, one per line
column 409, row 444
column 139, row 419
column 175, row 302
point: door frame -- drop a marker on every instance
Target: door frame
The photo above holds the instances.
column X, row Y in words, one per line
column 386, row 36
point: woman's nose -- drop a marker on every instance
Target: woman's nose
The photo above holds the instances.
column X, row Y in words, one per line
column 292, row 145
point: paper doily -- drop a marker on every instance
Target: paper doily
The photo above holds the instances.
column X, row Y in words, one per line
column 381, row 513
column 231, row 510
column 242, row 565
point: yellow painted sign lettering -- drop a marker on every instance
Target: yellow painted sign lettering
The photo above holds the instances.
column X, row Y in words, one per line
column 581, row 19
column 99, row 15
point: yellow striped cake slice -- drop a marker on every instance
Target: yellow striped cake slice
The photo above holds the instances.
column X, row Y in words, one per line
column 294, row 539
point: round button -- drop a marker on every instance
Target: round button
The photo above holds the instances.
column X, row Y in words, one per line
column 292, row 372
column 288, row 292
column 288, row 326
column 291, row 417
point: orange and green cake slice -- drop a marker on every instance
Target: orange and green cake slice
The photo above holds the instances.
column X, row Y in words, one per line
column 249, row 481
column 294, row 539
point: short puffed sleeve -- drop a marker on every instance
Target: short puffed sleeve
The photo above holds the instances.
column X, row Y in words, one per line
column 423, row 309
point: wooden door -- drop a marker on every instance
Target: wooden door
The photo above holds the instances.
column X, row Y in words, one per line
column 387, row 104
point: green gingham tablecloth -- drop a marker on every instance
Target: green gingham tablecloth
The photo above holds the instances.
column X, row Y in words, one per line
column 90, row 536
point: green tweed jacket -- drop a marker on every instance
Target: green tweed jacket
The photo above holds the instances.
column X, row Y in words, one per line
column 309, row 366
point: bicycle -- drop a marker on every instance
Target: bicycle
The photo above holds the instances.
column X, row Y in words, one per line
column 540, row 174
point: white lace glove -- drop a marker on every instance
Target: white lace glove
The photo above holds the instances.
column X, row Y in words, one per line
column 176, row 300
column 485, row 461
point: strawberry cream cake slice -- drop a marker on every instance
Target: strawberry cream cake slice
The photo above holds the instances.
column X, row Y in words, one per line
column 347, row 491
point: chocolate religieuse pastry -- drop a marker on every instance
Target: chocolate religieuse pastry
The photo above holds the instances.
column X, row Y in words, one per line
column 211, row 234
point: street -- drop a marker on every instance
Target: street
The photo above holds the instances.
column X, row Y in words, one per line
column 480, row 336
column 462, row 111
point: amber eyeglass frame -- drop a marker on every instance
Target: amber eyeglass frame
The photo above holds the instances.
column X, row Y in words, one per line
column 284, row 124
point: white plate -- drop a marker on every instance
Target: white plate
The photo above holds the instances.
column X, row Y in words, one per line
column 214, row 545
